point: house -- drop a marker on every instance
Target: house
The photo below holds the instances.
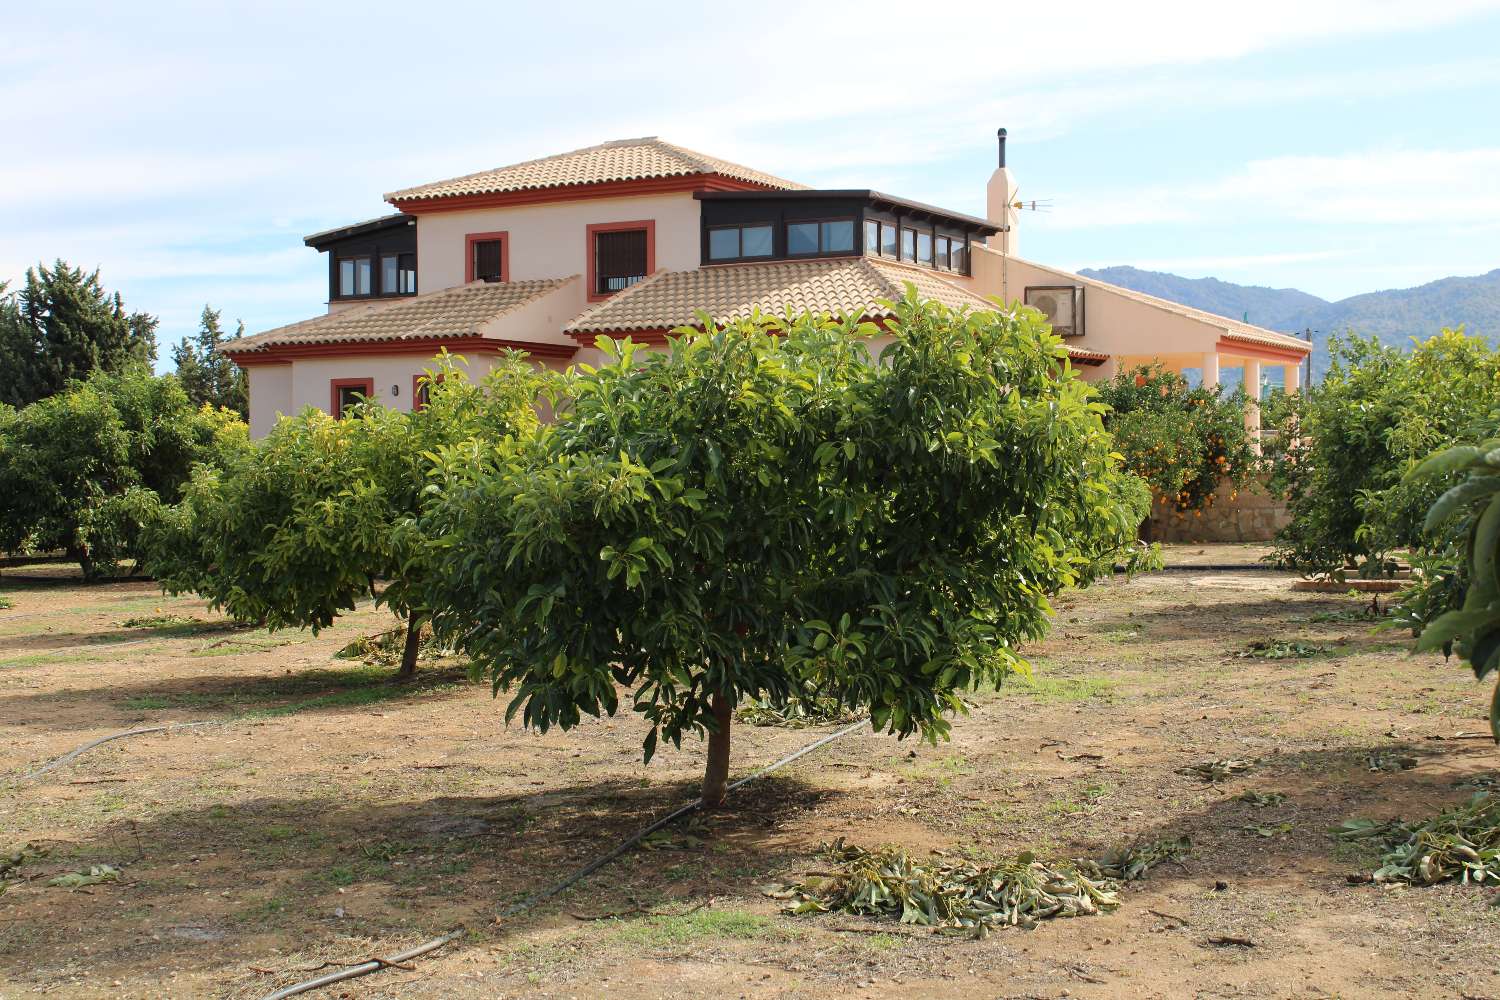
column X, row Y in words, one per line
column 632, row 238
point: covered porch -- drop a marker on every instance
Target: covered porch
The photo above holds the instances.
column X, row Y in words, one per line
column 1266, row 367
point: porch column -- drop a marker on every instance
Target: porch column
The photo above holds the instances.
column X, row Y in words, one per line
column 1291, row 377
column 1252, row 410
column 1211, row 371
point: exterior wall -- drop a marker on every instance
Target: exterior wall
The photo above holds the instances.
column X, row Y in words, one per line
column 551, row 240
column 1112, row 324
column 270, row 391
column 1252, row 516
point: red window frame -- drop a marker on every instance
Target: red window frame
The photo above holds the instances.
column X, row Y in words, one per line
column 591, row 249
column 367, row 385
column 471, row 238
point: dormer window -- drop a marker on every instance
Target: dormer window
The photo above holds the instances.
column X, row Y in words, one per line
column 398, row 274
column 739, row 242
column 354, row 277
column 804, row 239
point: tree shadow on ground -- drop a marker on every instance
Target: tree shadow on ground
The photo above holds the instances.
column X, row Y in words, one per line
column 221, row 884
column 344, row 686
column 122, row 634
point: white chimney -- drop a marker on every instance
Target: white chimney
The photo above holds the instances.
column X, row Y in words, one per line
column 1000, row 201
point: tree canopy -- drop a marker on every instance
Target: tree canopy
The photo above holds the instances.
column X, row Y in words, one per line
column 61, row 325
column 81, row 470
column 764, row 509
column 298, row 528
column 207, row 376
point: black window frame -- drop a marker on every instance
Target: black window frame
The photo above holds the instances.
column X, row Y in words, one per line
column 822, row 250
column 370, row 280
column 475, row 246
column 739, row 241
column 639, row 273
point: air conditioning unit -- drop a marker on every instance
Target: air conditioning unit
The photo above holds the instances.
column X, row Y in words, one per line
column 1061, row 304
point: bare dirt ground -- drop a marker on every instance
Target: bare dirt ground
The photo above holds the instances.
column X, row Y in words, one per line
column 334, row 816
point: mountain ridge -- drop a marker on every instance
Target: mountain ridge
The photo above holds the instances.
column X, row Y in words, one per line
column 1394, row 315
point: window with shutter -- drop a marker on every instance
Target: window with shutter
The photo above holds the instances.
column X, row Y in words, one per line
column 487, row 260
column 619, row 259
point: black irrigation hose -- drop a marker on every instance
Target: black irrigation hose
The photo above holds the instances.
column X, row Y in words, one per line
column 1212, row 568
column 71, row 754
column 376, row 964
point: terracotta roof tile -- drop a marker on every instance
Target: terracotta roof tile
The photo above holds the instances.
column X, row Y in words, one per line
column 453, row 312
column 620, row 160
column 843, row 285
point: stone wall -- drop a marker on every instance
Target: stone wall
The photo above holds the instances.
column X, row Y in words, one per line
column 1251, row 516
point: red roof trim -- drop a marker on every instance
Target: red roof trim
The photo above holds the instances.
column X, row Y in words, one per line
column 1230, row 344
column 578, row 192
column 283, row 353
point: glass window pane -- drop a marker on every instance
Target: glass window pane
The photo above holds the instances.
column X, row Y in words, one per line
column 408, row 274
column 346, row 277
column 838, row 237
column 390, row 268
column 872, row 237
column 924, row 248
column 756, row 241
column 942, row 252
column 908, row 244
column 887, row 240
column 959, row 263
column 801, row 237
column 723, row 244
column 363, row 272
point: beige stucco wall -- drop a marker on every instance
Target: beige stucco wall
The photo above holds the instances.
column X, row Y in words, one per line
column 1113, row 324
column 550, row 240
column 270, row 390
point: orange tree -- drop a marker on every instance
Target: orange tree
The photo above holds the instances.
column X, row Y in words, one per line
column 1182, row 441
column 306, row 523
column 762, row 510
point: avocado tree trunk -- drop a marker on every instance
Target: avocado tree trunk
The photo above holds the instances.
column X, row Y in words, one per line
column 409, row 652
column 716, row 771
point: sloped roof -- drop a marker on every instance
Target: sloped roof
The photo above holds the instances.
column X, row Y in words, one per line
column 460, row 311
column 1233, row 329
column 842, row 285
column 618, row 160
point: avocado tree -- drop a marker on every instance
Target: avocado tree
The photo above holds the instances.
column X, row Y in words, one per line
column 763, row 510
column 302, row 527
column 1471, row 628
column 83, row 469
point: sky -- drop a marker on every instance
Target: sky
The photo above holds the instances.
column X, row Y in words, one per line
column 186, row 149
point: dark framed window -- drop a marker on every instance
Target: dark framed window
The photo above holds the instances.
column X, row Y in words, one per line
column 398, row 274
column 924, row 248
column 908, row 244
column 346, row 392
column 354, row 277
column 943, row 258
column 872, row 236
column 620, row 259
column 960, row 257
column 740, row 242
column 488, row 257
column 805, row 239
column 421, row 389
column 887, row 240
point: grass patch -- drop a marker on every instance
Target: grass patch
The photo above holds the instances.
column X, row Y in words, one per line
column 1061, row 689
column 701, row 925
column 181, row 625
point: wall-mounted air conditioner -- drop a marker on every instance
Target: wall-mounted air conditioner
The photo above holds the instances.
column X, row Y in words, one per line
column 1061, row 304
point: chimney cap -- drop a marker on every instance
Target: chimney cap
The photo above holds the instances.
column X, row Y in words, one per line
column 1000, row 137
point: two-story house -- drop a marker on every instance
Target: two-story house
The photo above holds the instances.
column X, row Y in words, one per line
column 635, row 237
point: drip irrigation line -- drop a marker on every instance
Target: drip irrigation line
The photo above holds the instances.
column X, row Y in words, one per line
column 71, row 754
column 376, row 964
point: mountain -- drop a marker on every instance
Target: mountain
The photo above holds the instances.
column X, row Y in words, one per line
column 1395, row 315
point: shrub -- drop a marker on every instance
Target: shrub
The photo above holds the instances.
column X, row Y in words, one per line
column 1183, row 442
column 303, row 525
column 760, row 511
column 1376, row 414
column 1470, row 626
column 82, row 470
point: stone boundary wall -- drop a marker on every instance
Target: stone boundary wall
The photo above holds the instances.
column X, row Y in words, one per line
column 1252, row 516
